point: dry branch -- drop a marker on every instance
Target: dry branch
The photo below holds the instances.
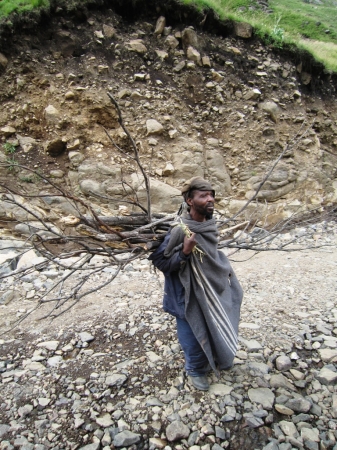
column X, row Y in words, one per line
column 73, row 243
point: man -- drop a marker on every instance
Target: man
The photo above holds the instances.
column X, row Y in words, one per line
column 201, row 289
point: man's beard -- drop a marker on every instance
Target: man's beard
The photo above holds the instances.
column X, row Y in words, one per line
column 203, row 211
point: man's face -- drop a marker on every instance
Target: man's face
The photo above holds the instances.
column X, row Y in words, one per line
column 202, row 203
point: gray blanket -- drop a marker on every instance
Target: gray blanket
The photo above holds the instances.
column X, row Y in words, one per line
column 213, row 294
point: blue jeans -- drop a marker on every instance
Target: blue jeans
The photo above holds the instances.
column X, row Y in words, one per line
column 196, row 362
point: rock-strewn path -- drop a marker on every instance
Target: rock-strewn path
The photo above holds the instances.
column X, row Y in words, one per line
column 110, row 373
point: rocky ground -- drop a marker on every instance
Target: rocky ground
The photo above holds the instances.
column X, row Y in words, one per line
column 200, row 97
column 109, row 373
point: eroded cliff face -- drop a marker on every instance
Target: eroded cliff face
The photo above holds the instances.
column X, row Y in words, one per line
column 220, row 106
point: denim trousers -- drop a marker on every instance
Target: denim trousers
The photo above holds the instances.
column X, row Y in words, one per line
column 196, row 362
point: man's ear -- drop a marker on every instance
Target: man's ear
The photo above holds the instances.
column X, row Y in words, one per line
column 189, row 201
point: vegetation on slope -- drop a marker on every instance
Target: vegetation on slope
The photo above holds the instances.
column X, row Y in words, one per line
column 9, row 6
column 308, row 24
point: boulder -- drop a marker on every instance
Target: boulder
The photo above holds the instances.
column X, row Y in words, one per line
column 136, row 46
column 109, row 31
column 164, row 198
column 188, row 159
column 189, row 38
column 51, row 114
column 7, row 131
column 26, row 143
column 243, row 30
column 171, row 42
column 153, row 127
column 193, row 55
column 160, row 25
column 272, row 109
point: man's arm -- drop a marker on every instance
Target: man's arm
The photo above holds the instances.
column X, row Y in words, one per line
column 172, row 263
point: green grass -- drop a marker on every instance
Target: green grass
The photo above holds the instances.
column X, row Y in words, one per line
column 9, row 6
column 292, row 22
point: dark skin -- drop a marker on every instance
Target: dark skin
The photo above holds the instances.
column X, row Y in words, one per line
column 201, row 204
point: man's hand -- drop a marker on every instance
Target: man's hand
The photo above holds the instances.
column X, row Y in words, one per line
column 189, row 244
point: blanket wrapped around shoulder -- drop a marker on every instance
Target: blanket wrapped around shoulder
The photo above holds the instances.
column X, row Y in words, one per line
column 213, row 294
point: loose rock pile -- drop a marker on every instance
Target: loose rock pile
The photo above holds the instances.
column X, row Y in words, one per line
column 109, row 374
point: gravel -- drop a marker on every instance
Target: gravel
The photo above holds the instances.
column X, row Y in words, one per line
column 109, row 373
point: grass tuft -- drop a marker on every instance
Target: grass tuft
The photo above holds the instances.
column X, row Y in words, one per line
column 9, row 6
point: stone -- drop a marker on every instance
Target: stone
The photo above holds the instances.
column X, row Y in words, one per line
column 25, row 410
column 328, row 355
column 104, row 421
column 162, row 54
column 155, row 443
column 171, row 42
column 153, row 127
column 177, row 430
column 3, row 61
column 93, row 446
column 193, row 55
column 43, row 401
column 85, row 336
column 283, row 363
column 179, row 67
column 243, row 30
column 76, row 158
column 163, row 196
column 26, row 143
column 326, row 376
column 109, row 31
column 263, row 396
column 7, row 131
column 206, row 62
column 252, row 345
column 69, row 95
column 189, row 38
column 117, row 379
column 7, row 297
column 273, row 446
column 272, row 109
column 168, row 170
column 282, row 409
column 288, row 428
column 89, row 187
column 54, row 361
column 257, row 369
column 220, row 389
column 310, row 434
column 137, row 46
column 254, row 422
column 280, row 381
column 299, row 404
column 35, row 367
column 153, row 357
column 51, row 114
column 160, row 25
column 49, row 345
column 253, row 94
column 126, row 438
column 58, row 173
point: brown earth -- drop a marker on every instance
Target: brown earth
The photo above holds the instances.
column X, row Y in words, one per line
column 68, row 61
